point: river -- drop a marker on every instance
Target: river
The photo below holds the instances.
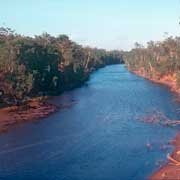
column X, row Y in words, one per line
column 98, row 137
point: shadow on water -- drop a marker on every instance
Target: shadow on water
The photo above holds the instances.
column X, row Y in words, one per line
column 98, row 137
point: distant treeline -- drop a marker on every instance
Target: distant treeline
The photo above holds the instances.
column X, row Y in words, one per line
column 45, row 65
column 157, row 60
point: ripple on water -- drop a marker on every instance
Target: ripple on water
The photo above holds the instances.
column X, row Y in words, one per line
column 98, row 137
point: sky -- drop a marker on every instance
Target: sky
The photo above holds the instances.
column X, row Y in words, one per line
column 108, row 24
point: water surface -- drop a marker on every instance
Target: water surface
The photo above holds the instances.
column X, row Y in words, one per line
column 98, row 137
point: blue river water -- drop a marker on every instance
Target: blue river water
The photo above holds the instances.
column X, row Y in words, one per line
column 98, row 137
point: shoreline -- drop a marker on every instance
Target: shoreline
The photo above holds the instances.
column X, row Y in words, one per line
column 34, row 109
column 168, row 81
column 171, row 170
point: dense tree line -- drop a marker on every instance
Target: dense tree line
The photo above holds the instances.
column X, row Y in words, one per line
column 157, row 60
column 45, row 65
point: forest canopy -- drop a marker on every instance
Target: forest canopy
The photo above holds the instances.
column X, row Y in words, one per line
column 45, row 65
column 157, row 60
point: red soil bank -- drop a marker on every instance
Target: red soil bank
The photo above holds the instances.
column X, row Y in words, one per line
column 33, row 110
column 171, row 170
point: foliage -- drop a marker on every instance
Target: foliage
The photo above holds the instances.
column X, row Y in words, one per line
column 157, row 60
column 45, row 65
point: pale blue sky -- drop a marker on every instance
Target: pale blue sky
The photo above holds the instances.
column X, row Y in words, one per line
column 110, row 24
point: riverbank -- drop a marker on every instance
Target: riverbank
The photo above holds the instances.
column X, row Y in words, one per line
column 32, row 110
column 168, row 80
column 35, row 108
column 100, row 122
column 171, row 170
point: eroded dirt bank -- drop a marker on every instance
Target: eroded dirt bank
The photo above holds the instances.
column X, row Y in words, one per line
column 168, row 80
column 171, row 170
column 33, row 110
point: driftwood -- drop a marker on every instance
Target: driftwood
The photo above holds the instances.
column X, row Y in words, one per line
column 171, row 122
column 174, row 161
column 159, row 118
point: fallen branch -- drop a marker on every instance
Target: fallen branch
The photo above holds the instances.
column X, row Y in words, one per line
column 159, row 118
column 171, row 122
column 174, row 161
